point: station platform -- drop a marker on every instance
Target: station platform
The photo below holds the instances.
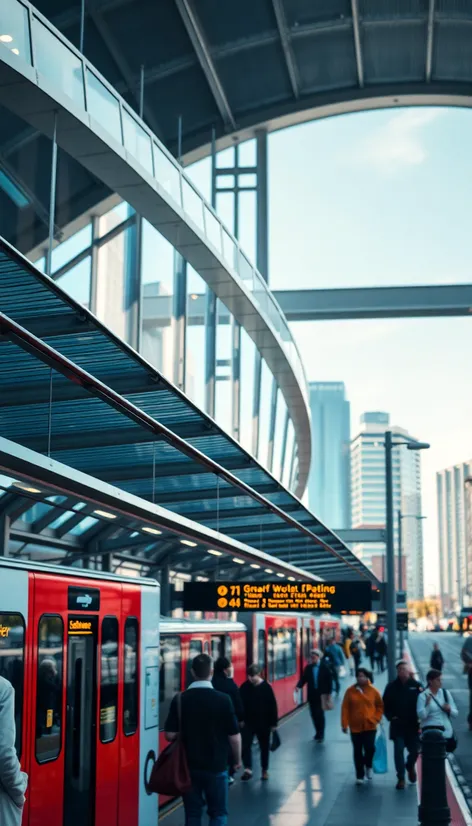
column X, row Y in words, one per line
column 314, row 784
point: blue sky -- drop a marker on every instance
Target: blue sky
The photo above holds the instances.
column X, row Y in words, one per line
column 380, row 198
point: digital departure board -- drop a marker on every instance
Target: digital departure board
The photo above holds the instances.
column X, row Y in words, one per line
column 330, row 597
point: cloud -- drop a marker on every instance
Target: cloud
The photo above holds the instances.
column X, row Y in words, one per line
column 399, row 142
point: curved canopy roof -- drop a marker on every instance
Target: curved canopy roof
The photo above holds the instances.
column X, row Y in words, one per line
column 233, row 66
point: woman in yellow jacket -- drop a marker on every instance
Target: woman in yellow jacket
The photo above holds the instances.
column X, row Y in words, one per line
column 362, row 711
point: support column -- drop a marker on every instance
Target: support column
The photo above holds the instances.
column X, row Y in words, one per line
column 273, row 416
column 179, row 313
column 210, row 351
column 166, row 591
column 262, row 206
column 236, row 379
column 4, row 534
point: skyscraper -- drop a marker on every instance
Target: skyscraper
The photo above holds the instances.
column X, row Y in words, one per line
column 329, row 480
column 452, row 527
column 368, row 498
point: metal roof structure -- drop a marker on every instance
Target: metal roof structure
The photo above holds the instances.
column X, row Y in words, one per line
column 72, row 390
column 267, row 64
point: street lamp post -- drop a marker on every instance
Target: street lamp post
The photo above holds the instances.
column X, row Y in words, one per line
column 389, row 444
column 401, row 517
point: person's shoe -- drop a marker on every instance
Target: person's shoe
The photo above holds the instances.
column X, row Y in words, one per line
column 369, row 774
column 400, row 785
column 359, row 781
column 247, row 775
column 230, row 781
column 318, row 738
column 265, row 775
column 412, row 776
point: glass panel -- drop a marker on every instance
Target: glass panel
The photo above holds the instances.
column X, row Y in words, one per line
column 35, row 512
column 228, row 647
column 77, row 281
column 131, row 685
column 195, row 648
column 115, row 262
column 246, row 272
column 167, row 174
column 109, row 680
column 49, row 690
column 74, row 245
column 193, row 204
column 247, row 153
column 279, row 434
column 170, row 680
column 157, row 275
column 84, row 525
column 12, row 655
column 195, row 337
column 265, row 413
column 247, row 228
column 57, row 63
column 199, row 174
column 248, row 354
column 213, row 229
column 223, row 385
column 113, row 218
column 103, row 106
column 14, row 29
column 288, row 455
column 230, row 250
column 137, row 141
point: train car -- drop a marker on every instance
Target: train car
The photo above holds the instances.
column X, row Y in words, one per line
column 81, row 650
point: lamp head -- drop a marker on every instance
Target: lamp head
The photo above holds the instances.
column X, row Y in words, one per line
column 418, row 446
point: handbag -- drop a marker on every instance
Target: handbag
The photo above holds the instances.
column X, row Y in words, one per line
column 380, row 762
column 275, row 741
column 327, row 702
column 170, row 774
column 451, row 742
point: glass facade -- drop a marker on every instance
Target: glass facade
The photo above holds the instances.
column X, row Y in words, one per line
column 105, row 268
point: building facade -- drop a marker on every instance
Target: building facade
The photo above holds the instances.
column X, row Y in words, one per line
column 454, row 537
column 368, row 498
column 329, row 486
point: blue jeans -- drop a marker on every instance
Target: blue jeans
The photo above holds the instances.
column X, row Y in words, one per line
column 410, row 743
column 211, row 789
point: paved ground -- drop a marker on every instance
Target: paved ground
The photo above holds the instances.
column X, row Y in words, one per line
column 453, row 680
column 313, row 785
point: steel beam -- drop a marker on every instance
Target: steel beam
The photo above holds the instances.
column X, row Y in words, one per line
column 430, row 42
column 284, row 35
column 376, row 302
column 202, row 51
column 357, row 42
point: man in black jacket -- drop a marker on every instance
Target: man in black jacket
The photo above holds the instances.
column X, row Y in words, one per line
column 400, row 698
column 260, row 719
column 317, row 676
column 223, row 681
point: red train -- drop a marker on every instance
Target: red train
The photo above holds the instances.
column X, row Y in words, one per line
column 91, row 686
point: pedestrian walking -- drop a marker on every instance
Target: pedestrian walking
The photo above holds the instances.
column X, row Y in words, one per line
column 362, row 711
column 261, row 718
column 223, row 681
column 207, row 725
column 347, row 650
column 400, row 700
column 336, row 656
column 356, row 653
column 466, row 657
column 317, row 676
column 13, row 781
column 437, row 660
column 380, row 651
column 436, row 706
column 370, row 648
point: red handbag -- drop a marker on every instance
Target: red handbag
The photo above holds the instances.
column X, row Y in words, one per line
column 170, row 774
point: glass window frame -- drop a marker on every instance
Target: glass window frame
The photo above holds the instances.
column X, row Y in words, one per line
column 165, row 703
column 136, row 687
column 100, row 692
column 50, row 615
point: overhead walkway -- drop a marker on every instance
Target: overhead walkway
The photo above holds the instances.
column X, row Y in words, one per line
column 72, row 390
column 50, row 85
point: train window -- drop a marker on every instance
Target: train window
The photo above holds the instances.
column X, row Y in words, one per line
column 12, row 654
column 292, row 653
column 109, row 680
column 49, row 689
column 216, row 648
column 131, row 687
column 170, row 681
column 271, row 655
column 261, row 648
column 228, row 646
column 195, row 648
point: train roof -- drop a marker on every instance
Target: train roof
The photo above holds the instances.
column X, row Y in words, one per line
column 173, row 625
column 83, row 573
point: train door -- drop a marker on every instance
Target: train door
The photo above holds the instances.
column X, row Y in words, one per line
column 217, row 647
column 80, row 722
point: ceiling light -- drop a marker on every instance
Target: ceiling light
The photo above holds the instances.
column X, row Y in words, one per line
column 239, row 561
column 26, row 487
column 193, row 296
column 189, row 543
column 16, row 51
column 268, row 570
column 281, row 575
column 6, row 38
column 152, row 530
column 215, row 553
column 255, row 566
column 291, row 578
column 105, row 514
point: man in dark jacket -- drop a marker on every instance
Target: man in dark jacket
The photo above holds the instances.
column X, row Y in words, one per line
column 317, row 676
column 223, row 681
column 261, row 717
column 400, row 698
column 437, row 659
